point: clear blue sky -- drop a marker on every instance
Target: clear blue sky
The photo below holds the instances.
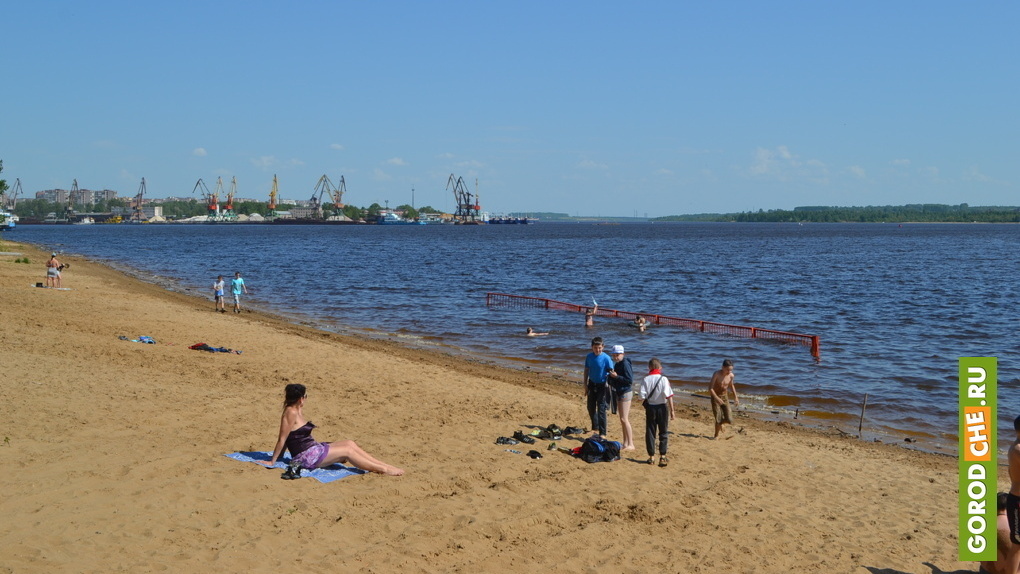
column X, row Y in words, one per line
column 588, row 108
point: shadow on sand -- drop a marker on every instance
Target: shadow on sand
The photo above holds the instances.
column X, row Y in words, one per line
column 934, row 570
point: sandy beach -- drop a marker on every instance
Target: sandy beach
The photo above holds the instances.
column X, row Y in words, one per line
column 113, row 458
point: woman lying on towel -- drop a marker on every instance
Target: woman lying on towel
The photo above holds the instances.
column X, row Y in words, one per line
column 296, row 436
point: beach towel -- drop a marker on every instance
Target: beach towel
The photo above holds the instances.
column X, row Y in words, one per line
column 327, row 474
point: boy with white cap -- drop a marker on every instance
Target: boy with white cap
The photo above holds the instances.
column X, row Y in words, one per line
column 621, row 381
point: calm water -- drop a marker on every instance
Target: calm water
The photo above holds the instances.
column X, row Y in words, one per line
column 895, row 306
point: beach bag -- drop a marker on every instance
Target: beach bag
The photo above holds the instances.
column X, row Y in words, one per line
column 655, row 389
column 599, row 450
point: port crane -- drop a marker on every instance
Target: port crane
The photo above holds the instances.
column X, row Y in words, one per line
column 10, row 200
column 335, row 194
column 137, row 215
column 211, row 199
column 274, row 193
column 70, row 199
column 214, row 207
column 468, row 209
column 229, row 208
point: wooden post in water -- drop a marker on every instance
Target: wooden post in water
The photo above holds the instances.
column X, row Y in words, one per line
column 860, row 427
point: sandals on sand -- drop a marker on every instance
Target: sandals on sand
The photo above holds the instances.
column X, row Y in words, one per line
column 663, row 461
column 293, row 471
column 523, row 438
column 506, row 440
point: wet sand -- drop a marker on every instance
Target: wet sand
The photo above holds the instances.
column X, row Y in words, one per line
column 113, row 458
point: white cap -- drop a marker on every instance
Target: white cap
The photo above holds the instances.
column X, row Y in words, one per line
column 616, row 350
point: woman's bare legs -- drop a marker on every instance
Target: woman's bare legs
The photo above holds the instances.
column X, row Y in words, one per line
column 623, row 406
column 349, row 451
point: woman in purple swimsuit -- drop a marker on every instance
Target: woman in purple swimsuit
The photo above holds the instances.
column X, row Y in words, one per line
column 296, row 436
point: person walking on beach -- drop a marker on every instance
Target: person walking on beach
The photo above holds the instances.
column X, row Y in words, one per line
column 596, row 391
column 1013, row 498
column 236, row 287
column 296, row 436
column 621, row 381
column 657, row 394
column 722, row 383
column 1008, row 553
column 53, row 271
column 218, row 287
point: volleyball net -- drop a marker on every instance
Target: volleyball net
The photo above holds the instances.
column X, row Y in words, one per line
column 525, row 302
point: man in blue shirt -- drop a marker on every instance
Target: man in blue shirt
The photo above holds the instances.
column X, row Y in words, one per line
column 236, row 288
column 596, row 390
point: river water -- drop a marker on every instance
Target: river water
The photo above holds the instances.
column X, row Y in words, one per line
column 895, row 305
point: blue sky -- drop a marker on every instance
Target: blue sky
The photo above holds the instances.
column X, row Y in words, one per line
column 588, row 108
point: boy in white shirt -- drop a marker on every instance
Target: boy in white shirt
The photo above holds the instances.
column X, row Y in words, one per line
column 657, row 393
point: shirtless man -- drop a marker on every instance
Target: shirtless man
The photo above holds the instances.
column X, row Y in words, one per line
column 722, row 383
column 589, row 316
column 1013, row 498
column 1008, row 559
column 53, row 271
column 531, row 333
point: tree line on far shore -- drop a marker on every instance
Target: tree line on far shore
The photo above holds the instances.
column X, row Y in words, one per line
column 913, row 213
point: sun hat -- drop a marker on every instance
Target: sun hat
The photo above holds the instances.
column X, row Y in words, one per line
column 616, row 350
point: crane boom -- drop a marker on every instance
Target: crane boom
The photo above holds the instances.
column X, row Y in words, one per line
column 209, row 198
column 338, row 195
column 468, row 208
column 273, row 194
column 231, row 194
column 137, row 215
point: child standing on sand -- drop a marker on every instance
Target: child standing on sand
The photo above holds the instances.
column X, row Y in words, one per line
column 720, row 387
column 621, row 381
column 657, row 393
column 218, row 287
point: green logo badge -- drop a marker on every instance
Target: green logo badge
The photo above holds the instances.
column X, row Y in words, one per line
column 978, row 458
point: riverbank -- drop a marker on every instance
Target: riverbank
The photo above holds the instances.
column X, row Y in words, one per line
column 116, row 458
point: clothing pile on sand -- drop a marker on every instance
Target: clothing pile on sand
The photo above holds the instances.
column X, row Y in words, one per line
column 593, row 449
column 211, row 349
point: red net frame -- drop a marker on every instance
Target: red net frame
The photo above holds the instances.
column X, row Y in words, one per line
column 526, row 302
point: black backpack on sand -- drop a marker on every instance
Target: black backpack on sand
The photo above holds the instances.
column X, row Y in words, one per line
column 599, row 450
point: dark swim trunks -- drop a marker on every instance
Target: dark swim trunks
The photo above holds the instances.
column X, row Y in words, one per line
column 1013, row 515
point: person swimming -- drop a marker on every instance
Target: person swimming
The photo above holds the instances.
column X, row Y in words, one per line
column 639, row 323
